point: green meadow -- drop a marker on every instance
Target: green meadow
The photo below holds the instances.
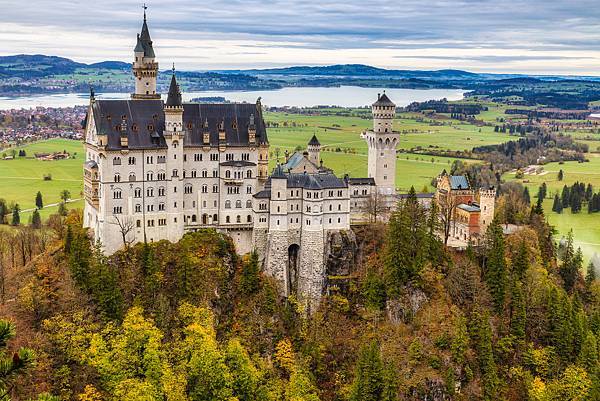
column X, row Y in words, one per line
column 23, row 177
column 585, row 226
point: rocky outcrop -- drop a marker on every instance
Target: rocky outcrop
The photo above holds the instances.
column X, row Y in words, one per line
column 406, row 306
column 341, row 251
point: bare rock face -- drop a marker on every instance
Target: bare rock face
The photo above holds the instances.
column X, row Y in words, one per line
column 432, row 390
column 341, row 250
column 404, row 308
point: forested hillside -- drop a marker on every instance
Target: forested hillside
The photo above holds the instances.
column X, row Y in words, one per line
column 514, row 319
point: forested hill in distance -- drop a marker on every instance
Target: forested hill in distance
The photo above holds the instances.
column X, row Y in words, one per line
column 23, row 74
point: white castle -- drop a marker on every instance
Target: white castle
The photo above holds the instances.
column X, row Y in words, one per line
column 155, row 170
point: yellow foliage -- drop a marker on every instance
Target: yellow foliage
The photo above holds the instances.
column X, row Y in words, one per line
column 89, row 394
column 284, row 355
column 537, row 391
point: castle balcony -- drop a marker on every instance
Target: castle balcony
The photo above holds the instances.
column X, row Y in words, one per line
column 233, row 181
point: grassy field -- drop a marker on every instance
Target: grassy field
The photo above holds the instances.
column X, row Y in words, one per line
column 586, row 227
column 22, row 178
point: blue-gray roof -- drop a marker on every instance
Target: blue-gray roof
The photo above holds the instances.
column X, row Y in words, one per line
column 469, row 208
column 459, row 182
column 293, row 161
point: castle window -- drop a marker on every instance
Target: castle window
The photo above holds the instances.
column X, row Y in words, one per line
column 161, row 207
column 227, row 204
column 150, row 127
column 187, row 189
column 131, row 177
column 117, row 210
column 215, row 173
column 138, row 223
column 329, row 221
column 215, row 189
column 137, row 193
column 227, row 219
column 340, row 207
column 248, row 203
column 138, row 208
column 227, row 174
column 117, row 177
column 175, row 173
column 149, row 176
column 204, row 173
column 150, row 192
column 330, row 208
column 238, row 204
column 150, row 208
column 161, row 176
column 190, row 125
column 117, row 194
column 160, row 159
column 161, row 191
column 249, row 219
column 194, row 173
column 249, row 174
column 184, row 157
column 134, row 127
column 238, row 219
column 248, row 189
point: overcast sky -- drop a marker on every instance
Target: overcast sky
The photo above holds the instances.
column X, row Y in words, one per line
column 523, row 36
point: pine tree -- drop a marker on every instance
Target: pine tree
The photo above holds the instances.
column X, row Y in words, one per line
column 571, row 263
column 36, row 221
column 526, row 196
column 495, row 269
column 3, row 211
column 557, row 204
column 588, row 356
column 565, row 196
column 481, row 333
column 12, row 365
column 518, row 313
column 575, row 202
column 250, row 277
column 521, row 262
column 591, row 274
column 16, row 218
column 560, row 175
column 589, row 192
column 369, row 379
column 38, row 200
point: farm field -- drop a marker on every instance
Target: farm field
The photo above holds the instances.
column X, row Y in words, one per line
column 586, row 227
column 22, row 178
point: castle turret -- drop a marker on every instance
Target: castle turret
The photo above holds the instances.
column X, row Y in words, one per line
column 487, row 201
column 314, row 150
column 382, row 142
column 145, row 69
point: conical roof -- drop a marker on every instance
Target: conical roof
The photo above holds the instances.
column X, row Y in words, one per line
column 314, row 141
column 174, row 97
column 383, row 100
column 146, row 41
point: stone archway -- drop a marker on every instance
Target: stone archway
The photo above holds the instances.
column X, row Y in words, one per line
column 292, row 268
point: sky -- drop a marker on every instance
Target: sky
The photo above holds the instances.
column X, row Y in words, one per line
column 500, row 36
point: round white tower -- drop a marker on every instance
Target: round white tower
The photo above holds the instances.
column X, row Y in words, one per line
column 382, row 142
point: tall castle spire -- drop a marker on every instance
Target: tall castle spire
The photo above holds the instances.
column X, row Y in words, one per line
column 145, row 69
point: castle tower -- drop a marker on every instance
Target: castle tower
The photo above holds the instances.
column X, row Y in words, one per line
column 174, row 136
column 314, row 150
column 487, row 201
column 382, row 142
column 145, row 69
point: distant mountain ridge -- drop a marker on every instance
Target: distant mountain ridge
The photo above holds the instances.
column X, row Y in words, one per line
column 40, row 65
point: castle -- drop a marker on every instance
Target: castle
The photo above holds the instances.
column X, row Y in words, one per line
column 157, row 169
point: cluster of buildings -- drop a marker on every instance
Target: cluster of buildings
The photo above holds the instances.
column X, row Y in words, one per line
column 28, row 125
column 157, row 169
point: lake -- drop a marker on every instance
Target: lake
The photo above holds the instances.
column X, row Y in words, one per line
column 345, row 96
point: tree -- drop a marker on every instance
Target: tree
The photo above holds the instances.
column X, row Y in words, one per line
column 16, row 218
column 4, row 210
column 65, row 195
column 250, row 277
column 518, row 312
column 126, row 226
column 11, row 366
column 495, row 268
column 557, row 204
column 591, row 274
column 566, row 196
column 520, row 264
column 36, row 221
column 62, row 209
column 571, row 264
column 526, row 196
column 375, row 206
column 481, row 334
column 560, row 175
column 369, row 380
column 38, row 200
column 447, row 208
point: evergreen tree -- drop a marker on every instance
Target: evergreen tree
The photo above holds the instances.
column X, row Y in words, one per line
column 495, row 268
column 16, row 218
column 62, row 209
column 4, row 210
column 560, row 175
column 557, row 204
column 589, row 192
column 588, row 356
column 575, row 202
column 543, row 190
column 518, row 312
column 11, row 365
column 591, row 274
column 250, row 277
column 38, row 200
column 565, row 196
column 526, row 196
column 481, row 334
column 36, row 221
column 571, row 263
column 521, row 262
column 369, row 383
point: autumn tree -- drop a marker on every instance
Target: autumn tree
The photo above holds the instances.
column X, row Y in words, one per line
column 14, row 364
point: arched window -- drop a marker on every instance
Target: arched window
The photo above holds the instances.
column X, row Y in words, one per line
column 187, row 189
column 248, row 203
column 150, row 192
column 249, row 174
column 116, row 161
column 161, row 191
column 131, row 177
column 137, row 193
column 117, row 177
column 194, row 173
column 117, row 194
column 204, row 173
column 204, row 188
column 249, row 219
column 227, row 220
column 227, row 204
column 227, row 174
column 175, row 173
column 215, row 218
column 138, row 208
column 193, row 218
column 238, row 219
column 238, row 204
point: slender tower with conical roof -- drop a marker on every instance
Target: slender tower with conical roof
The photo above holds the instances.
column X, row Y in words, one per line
column 314, row 150
column 145, row 68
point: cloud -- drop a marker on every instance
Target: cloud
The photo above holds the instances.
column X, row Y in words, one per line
column 537, row 36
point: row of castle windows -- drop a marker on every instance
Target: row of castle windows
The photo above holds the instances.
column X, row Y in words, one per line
column 197, row 157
